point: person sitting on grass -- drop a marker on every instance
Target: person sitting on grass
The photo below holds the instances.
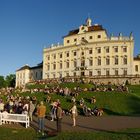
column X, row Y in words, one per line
column 93, row 100
column 82, row 102
column 48, row 99
column 86, row 111
column 97, row 111
column 73, row 100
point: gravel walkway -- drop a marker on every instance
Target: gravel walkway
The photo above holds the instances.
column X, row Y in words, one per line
column 92, row 123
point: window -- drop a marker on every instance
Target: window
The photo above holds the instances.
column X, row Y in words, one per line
column 82, row 73
column 125, row 49
column 36, row 74
column 90, row 62
column 48, row 57
column 125, row 60
column 53, row 75
column 20, row 75
column 116, row 60
column 54, row 56
column 74, row 74
column 67, row 64
column 107, row 50
column 61, row 55
column 99, row 36
column 75, row 64
column 48, row 67
column 68, row 41
column 125, row 72
column 90, row 37
column 99, row 50
column 61, row 65
column 75, row 39
column 107, row 72
column 67, row 74
column 116, row 49
column 90, row 73
column 116, row 72
column 83, row 63
column 67, row 54
column 99, row 61
column 107, row 61
column 60, row 75
column 83, row 38
column 74, row 53
column 98, row 72
column 136, row 68
column 90, row 51
column 82, row 28
column 82, row 53
column 23, row 75
column 54, row 66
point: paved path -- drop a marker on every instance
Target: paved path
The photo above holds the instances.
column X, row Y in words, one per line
column 92, row 123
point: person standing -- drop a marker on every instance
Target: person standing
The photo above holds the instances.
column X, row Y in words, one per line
column 53, row 111
column 41, row 112
column 74, row 113
column 59, row 117
column 1, row 106
column 31, row 110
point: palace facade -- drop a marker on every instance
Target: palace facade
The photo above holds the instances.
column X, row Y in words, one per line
column 88, row 52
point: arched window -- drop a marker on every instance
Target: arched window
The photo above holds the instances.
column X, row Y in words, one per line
column 90, row 62
column 107, row 60
column 116, row 60
column 125, row 60
column 99, row 61
column 67, row 64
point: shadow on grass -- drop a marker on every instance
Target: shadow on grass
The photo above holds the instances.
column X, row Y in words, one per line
column 134, row 104
column 87, row 100
column 110, row 112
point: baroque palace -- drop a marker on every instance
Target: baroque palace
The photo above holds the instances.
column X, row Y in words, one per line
column 90, row 53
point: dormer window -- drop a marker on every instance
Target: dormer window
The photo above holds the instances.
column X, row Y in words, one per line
column 90, row 37
column 99, row 36
column 82, row 28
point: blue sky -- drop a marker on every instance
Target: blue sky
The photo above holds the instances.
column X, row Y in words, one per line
column 27, row 25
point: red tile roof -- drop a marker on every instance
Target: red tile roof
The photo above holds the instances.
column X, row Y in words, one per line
column 91, row 28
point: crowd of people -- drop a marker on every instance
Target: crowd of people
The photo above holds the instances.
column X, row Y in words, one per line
column 29, row 105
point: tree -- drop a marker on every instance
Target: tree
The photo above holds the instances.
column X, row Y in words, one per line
column 10, row 80
column 2, row 82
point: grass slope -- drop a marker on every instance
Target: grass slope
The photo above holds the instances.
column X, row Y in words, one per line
column 113, row 103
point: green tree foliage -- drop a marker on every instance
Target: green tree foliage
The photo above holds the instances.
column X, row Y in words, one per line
column 10, row 80
column 2, row 82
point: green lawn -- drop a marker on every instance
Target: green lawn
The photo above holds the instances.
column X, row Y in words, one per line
column 17, row 134
column 30, row 134
column 113, row 103
column 102, row 135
